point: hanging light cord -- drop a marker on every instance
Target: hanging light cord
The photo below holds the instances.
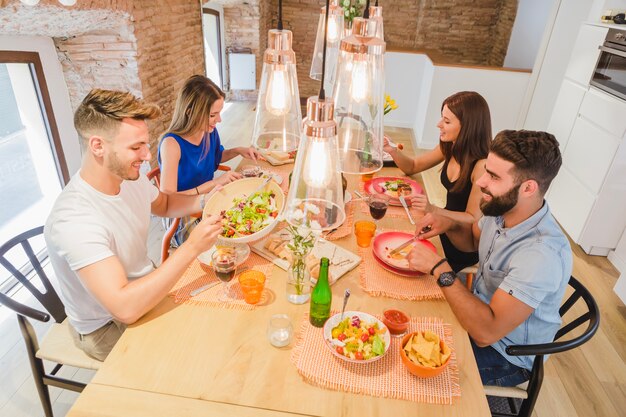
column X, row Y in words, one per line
column 322, row 94
column 376, row 3
column 366, row 12
column 280, row 15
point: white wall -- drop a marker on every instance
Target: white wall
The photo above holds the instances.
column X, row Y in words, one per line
column 57, row 88
column 503, row 90
column 528, row 30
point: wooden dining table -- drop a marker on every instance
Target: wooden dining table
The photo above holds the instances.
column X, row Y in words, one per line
column 196, row 360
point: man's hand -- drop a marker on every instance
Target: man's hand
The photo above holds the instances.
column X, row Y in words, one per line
column 433, row 224
column 228, row 177
column 204, row 235
column 422, row 258
column 249, row 153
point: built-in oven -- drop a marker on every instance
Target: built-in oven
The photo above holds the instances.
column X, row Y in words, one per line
column 610, row 72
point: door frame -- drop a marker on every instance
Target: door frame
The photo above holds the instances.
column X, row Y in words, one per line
column 220, row 47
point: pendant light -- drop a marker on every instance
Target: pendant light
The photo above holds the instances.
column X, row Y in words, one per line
column 359, row 98
column 315, row 198
column 376, row 13
column 278, row 115
column 333, row 36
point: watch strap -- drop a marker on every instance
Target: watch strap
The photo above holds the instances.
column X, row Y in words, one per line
column 432, row 271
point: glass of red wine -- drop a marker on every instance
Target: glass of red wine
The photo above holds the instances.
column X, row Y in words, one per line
column 224, row 265
column 378, row 204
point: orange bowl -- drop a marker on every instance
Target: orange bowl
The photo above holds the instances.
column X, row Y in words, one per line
column 418, row 369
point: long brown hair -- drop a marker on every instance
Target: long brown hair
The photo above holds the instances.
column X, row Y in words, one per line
column 473, row 141
column 193, row 106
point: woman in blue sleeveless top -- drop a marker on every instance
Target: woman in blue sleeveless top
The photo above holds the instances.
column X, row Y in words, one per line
column 464, row 137
column 190, row 151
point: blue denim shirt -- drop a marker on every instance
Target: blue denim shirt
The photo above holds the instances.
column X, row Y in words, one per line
column 531, row 261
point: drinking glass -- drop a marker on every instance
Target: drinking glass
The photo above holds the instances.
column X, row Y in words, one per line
column 378, row 204
column 252, row 283
column 279, row 330
column 364, row 231
column 223, row 262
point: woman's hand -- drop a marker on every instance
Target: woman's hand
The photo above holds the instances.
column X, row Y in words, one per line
column 420, row 202
column 386, row 146
column 228, row 177
column 249, row 153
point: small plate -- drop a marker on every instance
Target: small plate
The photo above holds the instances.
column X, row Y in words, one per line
column 243, row 252
column 375, row 186
column 387, row 241
column 368, row 318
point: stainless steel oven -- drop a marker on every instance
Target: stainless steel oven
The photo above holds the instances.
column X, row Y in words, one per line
column 610, row 72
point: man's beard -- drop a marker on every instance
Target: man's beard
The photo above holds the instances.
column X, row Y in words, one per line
column 501, row 204
column 116, row 166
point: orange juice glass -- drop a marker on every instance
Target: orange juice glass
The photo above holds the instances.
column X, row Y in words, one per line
column 367, row 177
column 252, row 283
column 364, row 231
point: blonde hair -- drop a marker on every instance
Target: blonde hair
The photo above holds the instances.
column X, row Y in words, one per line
column 193, row 105
column 102, row 111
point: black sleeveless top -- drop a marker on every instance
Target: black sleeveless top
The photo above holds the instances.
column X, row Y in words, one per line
column 456, row 201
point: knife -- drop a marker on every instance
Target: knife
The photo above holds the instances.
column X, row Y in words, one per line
column 260, row 187
column 408, row 213
column 402, row 246
column 203, row 288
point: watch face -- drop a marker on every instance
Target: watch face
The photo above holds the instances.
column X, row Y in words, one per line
column 446, row 279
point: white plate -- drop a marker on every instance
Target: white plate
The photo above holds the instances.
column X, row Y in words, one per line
column 367, row 318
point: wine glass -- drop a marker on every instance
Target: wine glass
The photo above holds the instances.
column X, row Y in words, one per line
column 378, row 204
column 224, row 265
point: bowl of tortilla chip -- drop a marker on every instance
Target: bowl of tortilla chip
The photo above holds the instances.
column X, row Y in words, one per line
column 425, row 354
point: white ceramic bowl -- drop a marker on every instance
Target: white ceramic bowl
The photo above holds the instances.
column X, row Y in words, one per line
column 223, row 200
column 333, row 321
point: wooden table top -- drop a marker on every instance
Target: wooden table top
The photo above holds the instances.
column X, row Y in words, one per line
column 182, row 355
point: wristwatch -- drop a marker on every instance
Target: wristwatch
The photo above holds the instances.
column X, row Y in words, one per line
column 446, row 279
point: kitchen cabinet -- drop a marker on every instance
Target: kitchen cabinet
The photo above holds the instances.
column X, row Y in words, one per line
column 588, row 197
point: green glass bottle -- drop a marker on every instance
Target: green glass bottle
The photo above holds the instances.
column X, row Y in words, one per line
column 321, row 297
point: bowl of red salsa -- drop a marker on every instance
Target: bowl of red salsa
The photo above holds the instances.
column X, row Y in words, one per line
column 396, row 321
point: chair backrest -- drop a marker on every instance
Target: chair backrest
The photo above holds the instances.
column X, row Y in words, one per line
column 49, row 299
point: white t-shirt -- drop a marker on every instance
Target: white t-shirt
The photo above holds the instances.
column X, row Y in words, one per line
column 86, row 226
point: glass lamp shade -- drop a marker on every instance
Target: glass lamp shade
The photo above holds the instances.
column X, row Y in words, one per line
column 278, row 115
column 315, row 198
column 376, row 13
column 359, row 99
column 335, row 34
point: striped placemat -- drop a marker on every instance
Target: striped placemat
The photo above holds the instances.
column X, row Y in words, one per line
column 386, row 377
column 377, row 281
column 198, row 274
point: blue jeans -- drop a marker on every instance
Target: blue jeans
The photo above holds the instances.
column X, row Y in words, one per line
column 494, row 369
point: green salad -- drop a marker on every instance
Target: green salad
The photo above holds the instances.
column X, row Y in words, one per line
column 249, row 214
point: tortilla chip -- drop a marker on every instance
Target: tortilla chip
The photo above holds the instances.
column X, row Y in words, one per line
column 431, row 337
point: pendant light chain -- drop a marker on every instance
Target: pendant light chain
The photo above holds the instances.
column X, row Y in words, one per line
column 322, row 94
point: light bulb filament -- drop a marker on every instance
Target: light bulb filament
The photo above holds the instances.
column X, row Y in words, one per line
column 278, row 99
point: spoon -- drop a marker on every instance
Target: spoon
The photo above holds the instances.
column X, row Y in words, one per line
column 346, row 295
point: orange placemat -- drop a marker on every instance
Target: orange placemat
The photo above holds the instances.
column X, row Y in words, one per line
column 387, row 377
column 198, row 275
column 377, row 281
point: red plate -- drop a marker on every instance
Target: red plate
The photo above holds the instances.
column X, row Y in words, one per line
column 376, row 186
column 404, row 273
column 386, row 242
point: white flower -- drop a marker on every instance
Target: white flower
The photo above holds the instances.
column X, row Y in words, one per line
column 346, row 3
column 295, row 203
column 311, row 208
column 361, row 2
column 303, row 231
column 316, row 226
column 346, row 13
column 297, row 215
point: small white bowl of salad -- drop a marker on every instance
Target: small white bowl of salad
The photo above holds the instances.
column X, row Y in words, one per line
column 358, row 337
column 248, row 214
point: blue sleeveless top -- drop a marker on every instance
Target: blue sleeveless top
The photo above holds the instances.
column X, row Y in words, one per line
column 197, row 164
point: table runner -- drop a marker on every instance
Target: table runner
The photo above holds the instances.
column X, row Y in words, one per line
column 377, row 281
column 198, row 274
column 346, row 227
column 387, row 377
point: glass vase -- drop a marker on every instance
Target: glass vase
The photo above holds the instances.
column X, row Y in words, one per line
column 298, row 280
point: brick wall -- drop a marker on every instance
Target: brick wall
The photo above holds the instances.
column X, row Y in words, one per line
column 118, row 44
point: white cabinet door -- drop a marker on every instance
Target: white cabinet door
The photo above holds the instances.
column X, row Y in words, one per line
column 589, row 153
column 565, row 111
column 570, row 202
column 605, row 110
column 585, row 53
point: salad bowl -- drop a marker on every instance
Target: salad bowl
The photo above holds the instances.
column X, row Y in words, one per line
column 364, row 320
column 224, row 200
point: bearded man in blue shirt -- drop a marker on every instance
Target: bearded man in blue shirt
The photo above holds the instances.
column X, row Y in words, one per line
column 525, row 259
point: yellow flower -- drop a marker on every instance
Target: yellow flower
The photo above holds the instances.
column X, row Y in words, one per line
column 389, row 104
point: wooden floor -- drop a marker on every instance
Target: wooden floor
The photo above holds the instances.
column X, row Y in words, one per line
column 589, row 381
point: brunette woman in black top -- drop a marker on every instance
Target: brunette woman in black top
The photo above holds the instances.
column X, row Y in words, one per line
column 465, row 134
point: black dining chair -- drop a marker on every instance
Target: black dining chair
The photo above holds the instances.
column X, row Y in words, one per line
column 57, row 345
column 528, row 392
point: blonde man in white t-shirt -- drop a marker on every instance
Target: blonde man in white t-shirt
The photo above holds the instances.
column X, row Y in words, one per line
column 97, row 231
